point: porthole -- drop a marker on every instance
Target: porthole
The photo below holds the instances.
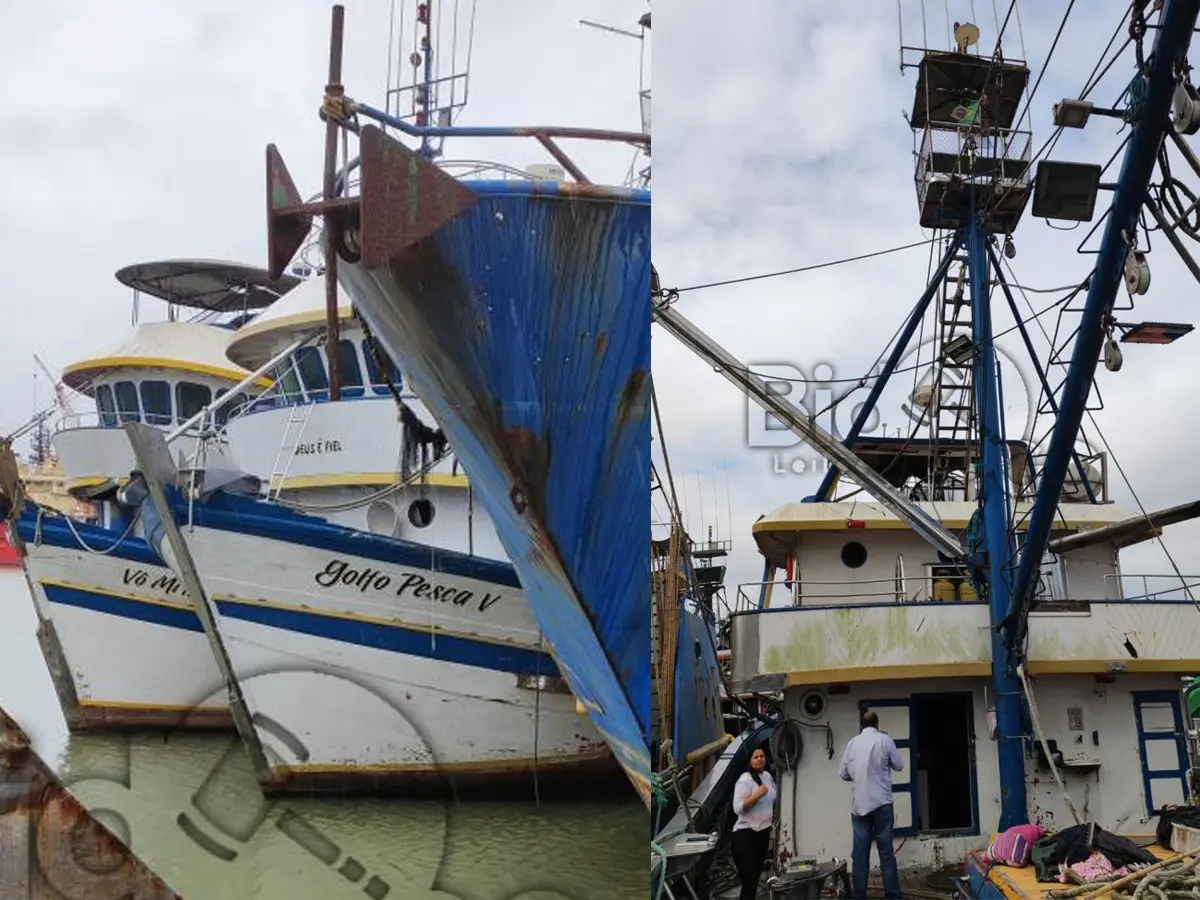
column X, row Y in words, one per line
column 381, row 518
column 420, row 513
column 854, row 555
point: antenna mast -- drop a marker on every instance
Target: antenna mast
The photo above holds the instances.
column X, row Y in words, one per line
column 643, row 175
column 430, row 97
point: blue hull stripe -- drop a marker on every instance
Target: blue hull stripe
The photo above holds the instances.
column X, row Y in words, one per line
column 406, row 641
column 123, row 607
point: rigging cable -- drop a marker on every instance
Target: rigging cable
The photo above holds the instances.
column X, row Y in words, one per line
column 824, row 265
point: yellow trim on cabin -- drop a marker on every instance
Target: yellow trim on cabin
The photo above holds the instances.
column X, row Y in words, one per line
column 478, row 768
column 185, row 605
column 373, row 620
column 284, row 323
column 154, row 362
column 852, row 674
column 157, row 707
column 1100, row 666
column 888, row 673
column 372, row 479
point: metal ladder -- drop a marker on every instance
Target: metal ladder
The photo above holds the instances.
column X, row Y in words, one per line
column 953, row 414
column 298, row 417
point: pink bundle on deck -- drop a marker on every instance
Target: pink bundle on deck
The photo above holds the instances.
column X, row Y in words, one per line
column 1013, row 847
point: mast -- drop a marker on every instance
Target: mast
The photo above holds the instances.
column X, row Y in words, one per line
column 1165, row 69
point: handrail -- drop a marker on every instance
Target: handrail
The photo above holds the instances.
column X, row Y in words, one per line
column 802, row 589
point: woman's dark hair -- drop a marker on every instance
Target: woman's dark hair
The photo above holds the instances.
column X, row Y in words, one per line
column 754, row 773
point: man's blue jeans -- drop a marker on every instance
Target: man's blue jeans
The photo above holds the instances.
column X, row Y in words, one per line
column 875, row 826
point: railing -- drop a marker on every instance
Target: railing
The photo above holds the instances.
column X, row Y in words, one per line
column 949, row 152
column 950, row 586
column 947, row 584
column 1153, row 587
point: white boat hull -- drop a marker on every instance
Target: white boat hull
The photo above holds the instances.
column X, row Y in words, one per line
column 394, row 674
column 124, row 638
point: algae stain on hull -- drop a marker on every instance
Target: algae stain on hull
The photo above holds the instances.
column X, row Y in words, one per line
column 905, row 635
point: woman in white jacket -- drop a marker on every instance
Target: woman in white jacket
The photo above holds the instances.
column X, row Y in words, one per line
column 754, row 802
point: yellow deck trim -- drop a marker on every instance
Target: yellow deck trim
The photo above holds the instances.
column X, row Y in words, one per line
column 184, row 605
column 372, row 479
column 373, row 620
column 155, row 362
column 478, row 768
column 157, row 707
column 888, row 673
column 1022, row 884
column 1100, row 666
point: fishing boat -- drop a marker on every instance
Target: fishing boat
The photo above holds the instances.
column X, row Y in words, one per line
column 112, row 616
column 519, row 308
column 967, row 586
column 368, row 564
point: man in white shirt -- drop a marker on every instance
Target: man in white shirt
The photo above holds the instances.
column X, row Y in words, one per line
column 867, row 764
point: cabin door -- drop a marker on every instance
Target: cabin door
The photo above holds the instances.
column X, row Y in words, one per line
column 896, row 719
column 1161, row 747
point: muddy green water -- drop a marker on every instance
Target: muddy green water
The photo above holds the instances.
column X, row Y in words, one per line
column 189, row 807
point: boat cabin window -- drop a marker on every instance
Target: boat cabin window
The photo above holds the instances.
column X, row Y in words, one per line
column 104, row 406
column 190, row 398
column 311, row 366
column 156, row 402
column 348, row 369
column 378, row 383
column 288, row 381
column 127, row 402
column 230, row 410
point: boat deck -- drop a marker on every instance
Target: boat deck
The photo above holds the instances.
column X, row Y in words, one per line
column 1012, row 883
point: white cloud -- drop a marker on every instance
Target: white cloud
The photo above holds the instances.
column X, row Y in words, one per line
column 779, row 143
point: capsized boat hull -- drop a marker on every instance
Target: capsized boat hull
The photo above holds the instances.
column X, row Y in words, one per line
column 523, row 324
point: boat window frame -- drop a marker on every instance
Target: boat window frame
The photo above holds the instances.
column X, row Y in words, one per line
column 181, row 412
column 157, row 418
column 125, row 416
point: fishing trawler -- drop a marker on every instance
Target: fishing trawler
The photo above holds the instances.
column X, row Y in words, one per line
column 367, row 565
column 112, row 617
column 519, row 308
column 967, row 587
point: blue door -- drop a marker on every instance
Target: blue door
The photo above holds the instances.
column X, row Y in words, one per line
column 896, row 718
column 1161, row 747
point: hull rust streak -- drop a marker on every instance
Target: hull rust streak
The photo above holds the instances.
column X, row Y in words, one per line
column 53, row 849
column 523, row 318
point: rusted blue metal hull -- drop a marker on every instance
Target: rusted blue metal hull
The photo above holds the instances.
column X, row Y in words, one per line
column 523, row 322
column 52, row 848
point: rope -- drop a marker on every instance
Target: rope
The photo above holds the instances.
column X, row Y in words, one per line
column 1172, row 878
column 662, row 869
column 1041, row 736
column 82, row 543
column 1136, row 92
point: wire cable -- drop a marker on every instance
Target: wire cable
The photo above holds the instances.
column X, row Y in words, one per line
column 824, row 265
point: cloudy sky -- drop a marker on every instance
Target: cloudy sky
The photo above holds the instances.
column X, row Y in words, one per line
column 780, row 142
column 135, row 130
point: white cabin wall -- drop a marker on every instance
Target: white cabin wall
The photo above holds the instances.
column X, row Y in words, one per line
column 1086, row 569
column 819, row 560
column 823, row 806
column 1112, row 796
